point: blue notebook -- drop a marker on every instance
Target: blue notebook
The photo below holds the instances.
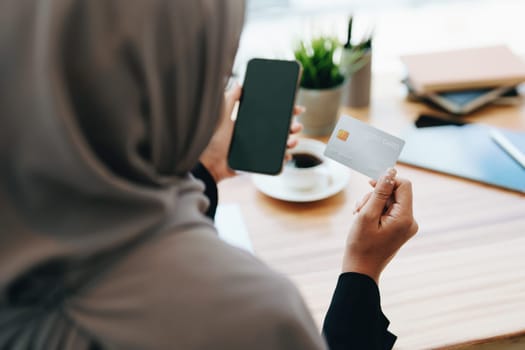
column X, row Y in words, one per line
column 466, row 151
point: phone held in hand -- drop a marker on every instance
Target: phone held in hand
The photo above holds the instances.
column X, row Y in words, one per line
column 265, row 112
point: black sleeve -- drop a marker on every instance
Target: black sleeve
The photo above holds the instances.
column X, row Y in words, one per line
column 201, row 173
column 354, row 319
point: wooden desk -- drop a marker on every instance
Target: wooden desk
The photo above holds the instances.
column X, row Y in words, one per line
column 460, row 280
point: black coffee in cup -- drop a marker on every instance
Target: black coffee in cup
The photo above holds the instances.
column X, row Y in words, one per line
column 304, row 160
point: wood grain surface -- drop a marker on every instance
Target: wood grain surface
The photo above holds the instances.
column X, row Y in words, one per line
column 459, row 281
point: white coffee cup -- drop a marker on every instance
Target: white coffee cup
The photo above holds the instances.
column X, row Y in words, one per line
column 308, row 168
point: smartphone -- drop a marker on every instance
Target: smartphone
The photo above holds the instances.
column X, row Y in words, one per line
column 426, row 120
column 265, row 112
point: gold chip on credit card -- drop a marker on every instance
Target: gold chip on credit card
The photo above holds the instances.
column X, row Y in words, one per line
column 343, row 135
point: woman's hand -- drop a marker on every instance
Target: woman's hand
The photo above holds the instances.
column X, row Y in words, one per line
column 214, row 157
column 384, row 223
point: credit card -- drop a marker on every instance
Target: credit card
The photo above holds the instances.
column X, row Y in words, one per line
column 362, row 147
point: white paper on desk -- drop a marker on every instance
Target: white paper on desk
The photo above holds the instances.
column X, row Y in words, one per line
column 231, row 228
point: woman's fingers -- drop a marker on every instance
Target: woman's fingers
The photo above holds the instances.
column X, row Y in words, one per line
column 292, row 141
column 403, row 198
column 296, row 127
column 298, row 110
column 231, row 97
column 361, row 204
column 377, row 202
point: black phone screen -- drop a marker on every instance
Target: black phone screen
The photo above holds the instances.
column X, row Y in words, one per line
column 265, row 110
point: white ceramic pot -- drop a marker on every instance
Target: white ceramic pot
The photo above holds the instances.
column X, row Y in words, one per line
column 322, row 108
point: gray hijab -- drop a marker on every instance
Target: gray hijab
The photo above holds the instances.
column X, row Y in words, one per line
column 105, row 106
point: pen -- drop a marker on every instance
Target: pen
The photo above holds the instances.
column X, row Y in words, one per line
column 508, row 147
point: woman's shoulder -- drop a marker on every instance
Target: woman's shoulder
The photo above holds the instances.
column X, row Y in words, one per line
column 188, row 289
column 254, row 295
column 195, row 281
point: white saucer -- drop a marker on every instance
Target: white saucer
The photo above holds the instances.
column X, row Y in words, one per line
column 274, row 187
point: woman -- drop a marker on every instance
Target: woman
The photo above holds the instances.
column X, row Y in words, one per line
column 105, row 107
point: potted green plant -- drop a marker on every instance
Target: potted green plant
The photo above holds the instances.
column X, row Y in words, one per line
column 321, row 84
column 356, row 65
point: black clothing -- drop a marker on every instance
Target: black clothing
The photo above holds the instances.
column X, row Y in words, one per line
column 354, row 319
column 201, row 173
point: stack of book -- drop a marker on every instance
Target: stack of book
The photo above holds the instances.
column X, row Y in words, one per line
column 461, row 81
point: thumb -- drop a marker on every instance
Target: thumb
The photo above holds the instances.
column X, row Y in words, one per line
column 383, row 190
column 231, row 97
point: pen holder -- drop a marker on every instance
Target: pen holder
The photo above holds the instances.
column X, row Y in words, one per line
column 356, row 92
